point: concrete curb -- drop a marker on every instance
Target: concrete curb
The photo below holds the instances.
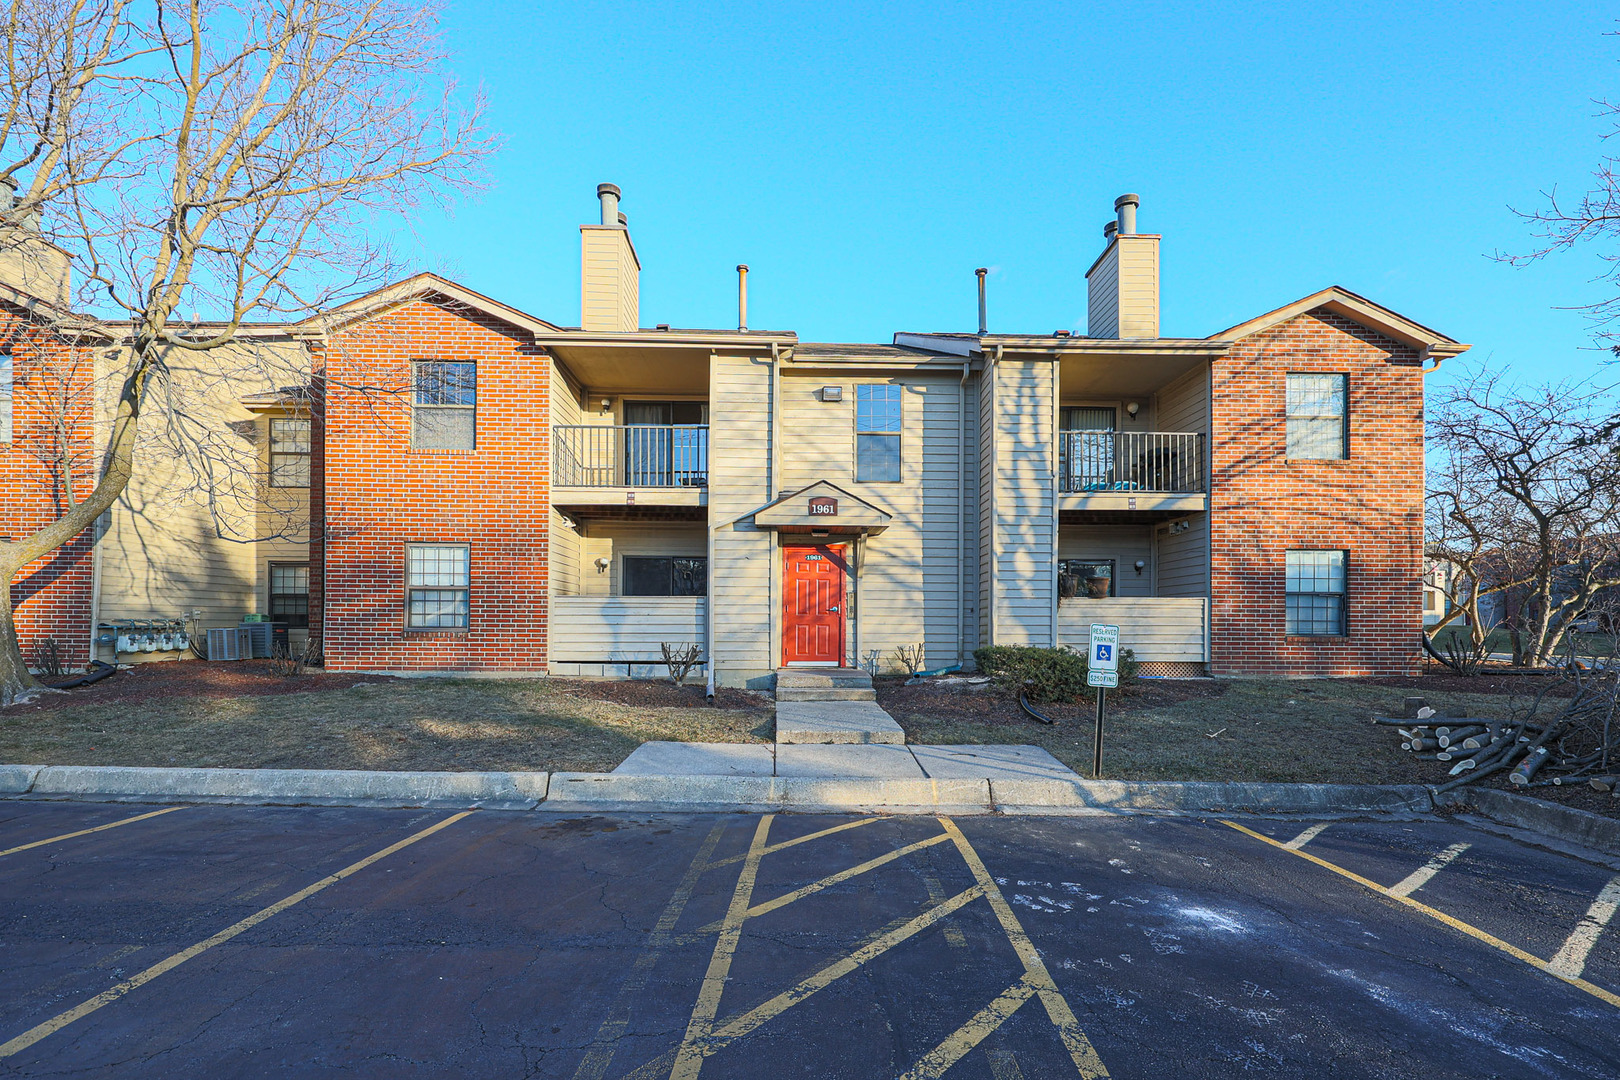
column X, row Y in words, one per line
column 1580, row 827
column 603, row 792
column 17, row 779
column 1202, row 797
column 317, row 787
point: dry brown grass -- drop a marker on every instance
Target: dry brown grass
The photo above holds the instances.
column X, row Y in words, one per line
column 432, row 724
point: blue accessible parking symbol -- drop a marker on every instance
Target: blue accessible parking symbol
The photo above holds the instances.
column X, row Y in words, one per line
column 1105, row 653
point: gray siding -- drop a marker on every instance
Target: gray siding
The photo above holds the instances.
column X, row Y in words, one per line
column 1184, row 559
column 618, row 630
column 742, row 577
column 615, row 540
column 1155, row 628
column 1125, row 544
column 1023, row 544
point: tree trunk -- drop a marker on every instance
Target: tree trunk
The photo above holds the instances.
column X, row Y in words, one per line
column 14, row 677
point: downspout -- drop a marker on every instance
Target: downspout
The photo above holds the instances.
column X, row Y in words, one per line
column 773, row 587
column 708, row 601
column 961, row 509
column 96, row 533
column 995, row 562
column 1052, row 453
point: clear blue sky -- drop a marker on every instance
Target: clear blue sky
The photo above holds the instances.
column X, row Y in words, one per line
column 863, row 159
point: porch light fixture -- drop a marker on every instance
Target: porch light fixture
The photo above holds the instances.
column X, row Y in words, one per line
column 1132, row 409
column 820, row 534
column 1140, row 565
column 607, row 407
column 602, row 563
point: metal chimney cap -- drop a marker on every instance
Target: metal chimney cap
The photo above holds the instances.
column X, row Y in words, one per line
column 607, row 189
column 742, row 268
column 981, row 271
column 623, row 220
column 1127, row 200
column 1109, row 229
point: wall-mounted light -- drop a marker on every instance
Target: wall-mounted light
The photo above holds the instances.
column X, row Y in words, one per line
column 831, row 393
column 1141, row 565
column 1132, row 409
column 602, row 563
column 820, row 534
column 607, row 406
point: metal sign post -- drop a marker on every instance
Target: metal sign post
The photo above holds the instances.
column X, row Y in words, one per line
column 1102, row 672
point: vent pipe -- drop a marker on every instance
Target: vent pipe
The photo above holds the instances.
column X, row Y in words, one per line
column 1125, row 206
column 609, row 194
column 742, row 296
column 1109, row 230
column 983, row 324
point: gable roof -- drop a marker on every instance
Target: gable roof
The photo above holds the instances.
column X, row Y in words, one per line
column 854, row 514
column 1342, row 301
column 414, row 288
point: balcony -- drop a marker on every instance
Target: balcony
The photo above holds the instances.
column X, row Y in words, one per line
column 1132, row 470
column 630, row 464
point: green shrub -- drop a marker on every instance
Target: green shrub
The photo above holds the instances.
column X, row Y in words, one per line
column 1046, row 674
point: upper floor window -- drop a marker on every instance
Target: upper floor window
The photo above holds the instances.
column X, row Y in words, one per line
column 877, row 432
column 1318, row 416
column 5, row 397
column 438, row 580
column 445, row 399
column 1315, row 592
column 289, row 453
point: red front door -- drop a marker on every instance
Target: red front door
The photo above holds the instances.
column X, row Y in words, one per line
column 813, row 605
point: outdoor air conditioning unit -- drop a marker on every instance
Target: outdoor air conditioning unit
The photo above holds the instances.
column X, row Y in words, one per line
column 230, row 643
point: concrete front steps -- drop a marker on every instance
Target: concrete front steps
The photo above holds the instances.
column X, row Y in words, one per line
column 824, row 684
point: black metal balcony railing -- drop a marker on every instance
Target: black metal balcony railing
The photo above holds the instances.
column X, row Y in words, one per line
column 635, row 455
column 1160, row 461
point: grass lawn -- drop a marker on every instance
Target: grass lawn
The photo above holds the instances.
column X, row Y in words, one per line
column 241, row 716
column 1237, row 729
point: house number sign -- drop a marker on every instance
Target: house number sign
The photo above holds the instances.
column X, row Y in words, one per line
column 823, row 507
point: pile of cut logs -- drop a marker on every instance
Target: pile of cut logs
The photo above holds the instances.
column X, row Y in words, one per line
column 1578, row 742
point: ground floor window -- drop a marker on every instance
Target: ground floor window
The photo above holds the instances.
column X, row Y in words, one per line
column 665, row 575
column 1316, row 593
column 1085, row 578
column 437, row 586
column 289, row 593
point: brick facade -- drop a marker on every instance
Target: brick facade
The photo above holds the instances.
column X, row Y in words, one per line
column 377, row 494
column 1263, row 504
column 51, row 403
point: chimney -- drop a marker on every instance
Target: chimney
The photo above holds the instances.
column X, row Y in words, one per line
column 29, row 262
column 984, row 325
column 610, row 272
column 1122, row 286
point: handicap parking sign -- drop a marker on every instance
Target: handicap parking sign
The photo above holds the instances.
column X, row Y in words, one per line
column 1104, row 667
column 1105, row 654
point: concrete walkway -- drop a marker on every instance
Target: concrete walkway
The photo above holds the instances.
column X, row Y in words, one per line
column 829, row 725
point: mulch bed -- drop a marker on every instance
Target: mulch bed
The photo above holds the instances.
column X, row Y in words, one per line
column 141, row 683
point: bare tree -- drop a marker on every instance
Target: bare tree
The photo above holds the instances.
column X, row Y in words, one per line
column 196, row 155
column 1524, row 507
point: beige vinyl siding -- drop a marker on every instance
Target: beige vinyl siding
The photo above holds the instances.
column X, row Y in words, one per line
column 562, row 554
column 615, row 540
column 1138, row 286
column 170, row 548
column 1184, row 559
column 598, row 635
column 1102, row 296
column 985, row 519
column 1183, row 405
column 1025, row 452
column 1154, row 628
column 907, row 588
column 1122, row 543
column 741, row 575
column 610, row 286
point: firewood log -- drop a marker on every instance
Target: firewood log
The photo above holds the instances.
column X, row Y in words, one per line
column 1526, row 770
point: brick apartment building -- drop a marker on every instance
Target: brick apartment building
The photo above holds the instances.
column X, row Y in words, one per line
column 460, row 486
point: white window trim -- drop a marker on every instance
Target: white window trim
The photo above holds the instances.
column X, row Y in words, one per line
column 466, row 550
column 1342, row 417
column 473, row 408
column 855, row 439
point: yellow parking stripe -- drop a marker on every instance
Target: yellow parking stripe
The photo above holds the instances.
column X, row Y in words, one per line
column 689, row 1059
column 107, row 997
column 784, row 844
column 843, row 875
column 605, row 1045
column 1080, row 1049
column 1456, row 924
column 962, row 1041
column 87, row 832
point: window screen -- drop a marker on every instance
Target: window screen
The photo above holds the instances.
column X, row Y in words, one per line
column 289, row 453
column 1085, row 578
column 289, row 594
column 437, row 582
column 877, row 433
column 444, row 413
column 1315, row 592
column 5, row 397
column 1318, row 411
column 664, row 575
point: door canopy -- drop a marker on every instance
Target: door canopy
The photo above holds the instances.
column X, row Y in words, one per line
column 823, row 509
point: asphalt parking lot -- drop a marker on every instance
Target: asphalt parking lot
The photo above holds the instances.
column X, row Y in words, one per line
column 223, row 941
